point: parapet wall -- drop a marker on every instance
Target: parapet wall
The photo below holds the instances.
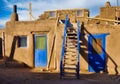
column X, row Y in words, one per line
column 62, row 14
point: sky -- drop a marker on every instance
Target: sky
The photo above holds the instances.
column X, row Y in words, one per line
column 39, row 6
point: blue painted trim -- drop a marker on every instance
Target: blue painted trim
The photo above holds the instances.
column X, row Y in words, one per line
column 63, row 45
column 98, row 35
column 78, row 46
column 64, row 37
column 95, row 36
column 78, row 35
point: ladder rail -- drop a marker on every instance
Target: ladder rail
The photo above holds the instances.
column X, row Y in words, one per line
column 78, row 46
column 66, row 67
column 63, row 46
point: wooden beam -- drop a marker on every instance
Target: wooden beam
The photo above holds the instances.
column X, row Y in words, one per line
column 109, row 20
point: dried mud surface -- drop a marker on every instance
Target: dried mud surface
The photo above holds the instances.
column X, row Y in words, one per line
column 14, row 74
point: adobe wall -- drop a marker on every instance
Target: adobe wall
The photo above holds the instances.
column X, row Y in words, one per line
column 62, row 14
column 112, row 46
column 29, row 29
column 26, row 55
column 44, row 25
column 108, row 12
column 54, row 32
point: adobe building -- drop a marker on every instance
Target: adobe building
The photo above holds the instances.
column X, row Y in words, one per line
column 39, row 43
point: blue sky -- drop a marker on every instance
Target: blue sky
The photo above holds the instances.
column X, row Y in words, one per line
column 39, row 6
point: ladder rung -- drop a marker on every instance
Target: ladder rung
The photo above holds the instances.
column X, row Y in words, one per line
column 71, row 68
column 69, row 73
column 71, row 40
column 71, row 64
column 71, row 36
column 71, row 46
column 72, row 33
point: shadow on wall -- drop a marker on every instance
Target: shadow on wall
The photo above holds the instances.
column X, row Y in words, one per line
column 14, row 43
column 10, row 58
column 85, row 55
column 9, row 61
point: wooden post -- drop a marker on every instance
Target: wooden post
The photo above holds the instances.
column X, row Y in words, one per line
column 117, row 3
column 55, row 57
column 3, row 47
column 30, row 12
column 31, row 50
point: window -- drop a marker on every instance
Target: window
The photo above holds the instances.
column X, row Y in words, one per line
column 22, row 41
column 41, row 42
column 97, row 46
column 80, row 13
column 52, row 14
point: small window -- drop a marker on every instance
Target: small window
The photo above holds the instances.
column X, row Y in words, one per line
column 41, row 42
column 80, row 13
column 97, row 46
column 22, row 41
column 52, row 14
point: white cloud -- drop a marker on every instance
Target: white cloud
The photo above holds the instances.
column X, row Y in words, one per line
column 39, row 6
column 2, row 22
column 43, row 5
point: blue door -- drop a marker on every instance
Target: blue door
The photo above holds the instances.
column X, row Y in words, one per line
column 96, row 52
column 40, row 51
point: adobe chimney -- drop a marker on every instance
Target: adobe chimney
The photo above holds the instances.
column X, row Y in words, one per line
column 107, row 4
column 15, row 9
column 14, row 15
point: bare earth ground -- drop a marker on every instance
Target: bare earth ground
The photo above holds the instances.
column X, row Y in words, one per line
column 24, row 75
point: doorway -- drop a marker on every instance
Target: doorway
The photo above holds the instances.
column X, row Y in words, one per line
column 40, row 50
column 97, row 52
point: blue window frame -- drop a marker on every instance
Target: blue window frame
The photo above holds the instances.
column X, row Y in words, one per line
column 22, row 41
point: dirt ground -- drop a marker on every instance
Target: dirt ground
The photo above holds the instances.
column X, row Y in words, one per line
column 23, row 75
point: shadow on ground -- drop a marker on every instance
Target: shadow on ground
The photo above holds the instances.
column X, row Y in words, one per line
column 25, row 75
